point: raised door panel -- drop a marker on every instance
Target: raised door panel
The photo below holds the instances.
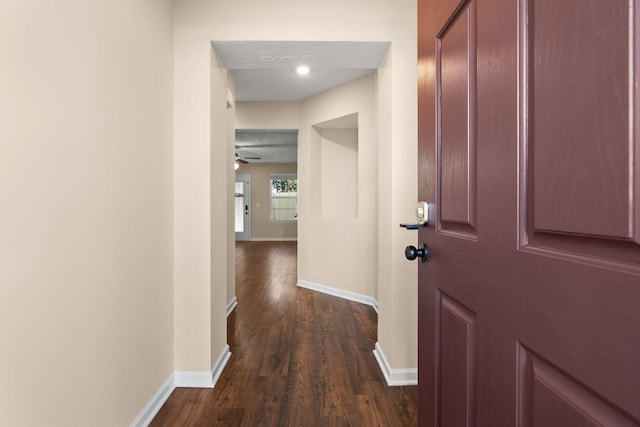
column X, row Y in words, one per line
column 550, row 398
column 457, row 363
column 581, row 144
column 457, row 116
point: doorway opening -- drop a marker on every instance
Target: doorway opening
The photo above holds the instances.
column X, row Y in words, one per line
column 337, row 165
column 267, row 160
column 241, row 207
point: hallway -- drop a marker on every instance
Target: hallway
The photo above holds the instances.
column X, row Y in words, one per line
column 298, row 357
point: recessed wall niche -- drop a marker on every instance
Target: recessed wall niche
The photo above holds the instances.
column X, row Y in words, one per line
column 334, row 168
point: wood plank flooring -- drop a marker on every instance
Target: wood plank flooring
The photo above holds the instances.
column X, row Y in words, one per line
column 299, row 358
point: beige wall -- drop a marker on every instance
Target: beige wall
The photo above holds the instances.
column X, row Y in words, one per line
column 338, row 186
column 197, row 22
column 222, row 189
column 261, row 225
column 109, row 280
column 86, row 276
column 327, row 235
column 267, row 115
column 397, row 194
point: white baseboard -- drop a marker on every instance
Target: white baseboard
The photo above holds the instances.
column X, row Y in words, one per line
column 152, row 407
column 394, row 377
column 351, row 296
column 274, row 239
column 218, row 367
column 204, row 379
column 375, row 305
column 195, row 379
column 232, row 305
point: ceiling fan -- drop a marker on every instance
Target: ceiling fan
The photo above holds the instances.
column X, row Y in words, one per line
column 245, row 159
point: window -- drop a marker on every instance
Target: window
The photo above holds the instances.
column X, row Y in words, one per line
column 284, row 197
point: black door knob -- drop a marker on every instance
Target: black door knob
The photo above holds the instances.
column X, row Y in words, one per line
column 411, row 252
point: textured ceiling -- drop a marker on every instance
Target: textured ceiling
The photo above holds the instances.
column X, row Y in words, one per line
column 270, row 145
column 283, row 85
column 265, row 71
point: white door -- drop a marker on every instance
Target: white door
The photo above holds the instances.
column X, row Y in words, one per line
column 243, row 207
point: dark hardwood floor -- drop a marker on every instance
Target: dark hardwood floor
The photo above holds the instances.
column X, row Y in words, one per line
column 299, row 358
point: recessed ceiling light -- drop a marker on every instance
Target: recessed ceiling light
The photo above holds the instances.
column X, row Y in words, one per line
column 302, row 70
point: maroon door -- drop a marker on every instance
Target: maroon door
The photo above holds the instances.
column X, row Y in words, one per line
column 529, row 304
